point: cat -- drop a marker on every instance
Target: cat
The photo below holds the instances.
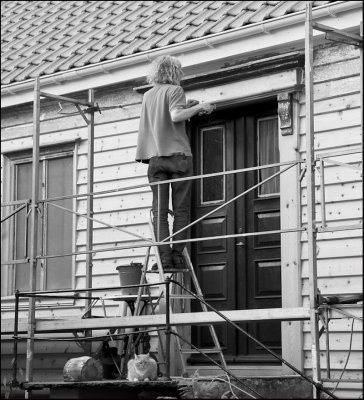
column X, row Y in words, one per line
column 142, row 367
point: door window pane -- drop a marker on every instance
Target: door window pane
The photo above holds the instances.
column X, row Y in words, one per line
column 268, row 153
column 212, row 161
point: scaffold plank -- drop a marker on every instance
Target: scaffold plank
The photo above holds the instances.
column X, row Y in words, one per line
column 159, row 320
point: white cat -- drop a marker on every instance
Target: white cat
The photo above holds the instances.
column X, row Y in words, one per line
column 142, row 368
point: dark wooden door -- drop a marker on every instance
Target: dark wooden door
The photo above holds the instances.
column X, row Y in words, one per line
column 241, row 273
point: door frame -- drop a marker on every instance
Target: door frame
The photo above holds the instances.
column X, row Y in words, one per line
column 287, row 85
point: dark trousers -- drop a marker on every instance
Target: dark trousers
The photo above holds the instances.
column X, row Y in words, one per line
column 165, row 168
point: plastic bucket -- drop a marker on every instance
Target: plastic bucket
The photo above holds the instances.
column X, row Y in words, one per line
column 130, row 275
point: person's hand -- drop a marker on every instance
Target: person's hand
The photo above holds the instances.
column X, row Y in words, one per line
column 206, row 108
column 191, row 103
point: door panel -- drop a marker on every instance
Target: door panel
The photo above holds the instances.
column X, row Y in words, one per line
column 242, row 273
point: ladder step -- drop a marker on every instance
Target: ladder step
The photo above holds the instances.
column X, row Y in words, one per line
column 181, row 296
column 207, row 351
column 168, row 271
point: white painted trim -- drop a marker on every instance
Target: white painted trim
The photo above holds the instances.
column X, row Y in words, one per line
column 195, row 54
column 244, row 91
column 290, row 244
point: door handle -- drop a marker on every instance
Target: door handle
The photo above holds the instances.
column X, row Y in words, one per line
column 241, row 243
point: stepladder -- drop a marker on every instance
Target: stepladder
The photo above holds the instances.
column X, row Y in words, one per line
column 180, row 302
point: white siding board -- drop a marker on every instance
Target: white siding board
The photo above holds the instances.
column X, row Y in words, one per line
column 116, row 128
column 328, row 54
column 44, row 140
column 335, row 285
column 337, row 192
column 116, row 156
column 326, row 106
column 324, row 237
column 127, row 185
column 337, row 248
column 340, row 342
column 336, row 88
column 120, row 219
column 342, row 68
column 337, row 175
column 337, row 211
column 339, row 325
column 336, row 139
column 103, row 235
column 343, row 266
column 337, row 360
column 332, row 122
column 123, row 140
column 113, row 172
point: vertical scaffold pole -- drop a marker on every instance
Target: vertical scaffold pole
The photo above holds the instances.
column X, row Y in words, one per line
column 90, row 212
column 33, row 233
column 311, row 212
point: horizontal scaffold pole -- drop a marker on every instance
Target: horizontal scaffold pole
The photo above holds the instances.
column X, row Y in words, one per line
column 68, row 99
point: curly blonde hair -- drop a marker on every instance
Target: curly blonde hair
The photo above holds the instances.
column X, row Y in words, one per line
column 166, row 69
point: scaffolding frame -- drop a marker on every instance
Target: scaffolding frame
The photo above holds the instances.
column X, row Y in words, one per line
column 309, row 167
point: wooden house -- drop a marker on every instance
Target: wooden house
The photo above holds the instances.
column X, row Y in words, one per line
column 248, row 58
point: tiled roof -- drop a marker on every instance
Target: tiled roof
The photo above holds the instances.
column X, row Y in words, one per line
column 45, row 37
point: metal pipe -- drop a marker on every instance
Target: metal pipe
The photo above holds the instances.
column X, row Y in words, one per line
column 26, row 233
column 67, row 99
column 136, row 245
column 327, row 337
column 13, row 213
column 322, row 190
column 168, row 330
column 10, row 262
column 33, row 232
column 189, row 178
column 230, row 201
column 90, row 210
column 15, row 202
column 40, row 293
column 100, row 222
column 311, row 211
column 159, row 213
column 14, row 382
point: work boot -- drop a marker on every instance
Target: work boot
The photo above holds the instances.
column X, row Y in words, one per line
column 178, row 260
column 166, row 263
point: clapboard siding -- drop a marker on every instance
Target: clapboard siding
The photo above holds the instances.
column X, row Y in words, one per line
column 115, row 167
column 337, row 117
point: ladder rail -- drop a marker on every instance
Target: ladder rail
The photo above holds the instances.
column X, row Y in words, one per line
column 180, row 275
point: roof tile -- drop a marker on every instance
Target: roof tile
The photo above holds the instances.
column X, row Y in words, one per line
column 45, row 37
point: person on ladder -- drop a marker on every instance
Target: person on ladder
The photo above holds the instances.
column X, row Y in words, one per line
column 164, row 145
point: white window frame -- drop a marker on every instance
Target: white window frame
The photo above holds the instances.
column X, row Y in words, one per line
column 9, row 162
